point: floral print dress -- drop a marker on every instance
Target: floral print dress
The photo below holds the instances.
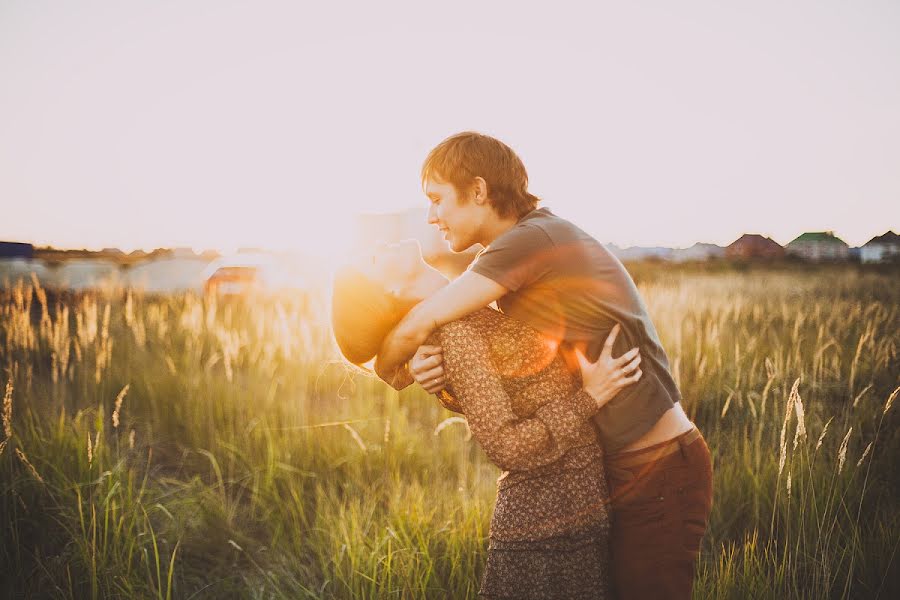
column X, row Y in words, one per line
column 550, row 527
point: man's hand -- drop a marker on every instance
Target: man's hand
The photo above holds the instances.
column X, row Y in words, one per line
column 606, row 377
column 427, row 368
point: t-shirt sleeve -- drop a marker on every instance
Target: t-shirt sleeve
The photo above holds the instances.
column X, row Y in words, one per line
column 517, row 258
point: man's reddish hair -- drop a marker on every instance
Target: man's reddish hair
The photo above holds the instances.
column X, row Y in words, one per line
column 461, row 158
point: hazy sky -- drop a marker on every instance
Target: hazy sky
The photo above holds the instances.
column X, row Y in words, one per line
column 225, row 124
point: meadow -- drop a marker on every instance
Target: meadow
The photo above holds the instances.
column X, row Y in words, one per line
column 188, row 447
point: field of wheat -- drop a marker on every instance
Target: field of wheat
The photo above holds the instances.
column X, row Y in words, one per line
column 184, row 447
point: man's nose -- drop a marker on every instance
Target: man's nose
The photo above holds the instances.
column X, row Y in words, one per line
column 432, row 215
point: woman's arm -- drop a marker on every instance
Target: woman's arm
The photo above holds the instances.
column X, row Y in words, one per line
column 463, row 296
column 512, row 443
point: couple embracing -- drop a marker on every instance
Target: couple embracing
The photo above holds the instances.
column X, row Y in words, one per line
column 607, row 485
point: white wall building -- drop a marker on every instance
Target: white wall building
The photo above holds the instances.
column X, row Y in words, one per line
column 884, row 248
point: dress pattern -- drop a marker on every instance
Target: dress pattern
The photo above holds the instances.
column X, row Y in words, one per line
column 550, row 528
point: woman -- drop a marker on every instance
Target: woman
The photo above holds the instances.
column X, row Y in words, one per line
column 550, row 527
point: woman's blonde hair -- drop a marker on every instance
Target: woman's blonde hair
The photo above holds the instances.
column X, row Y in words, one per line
column 362, row 314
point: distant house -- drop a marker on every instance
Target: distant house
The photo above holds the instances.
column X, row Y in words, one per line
column 635, row 253
column 818, row 246
column 698, row 251
column 16, row 250
column 884, row 248
column 752, row 245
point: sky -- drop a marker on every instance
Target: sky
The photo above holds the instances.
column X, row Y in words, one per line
column 271, row 124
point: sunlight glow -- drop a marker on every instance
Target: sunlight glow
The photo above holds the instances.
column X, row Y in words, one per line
column 266, row 125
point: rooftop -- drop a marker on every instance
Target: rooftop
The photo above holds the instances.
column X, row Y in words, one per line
column 819, row 236
column 887, row 238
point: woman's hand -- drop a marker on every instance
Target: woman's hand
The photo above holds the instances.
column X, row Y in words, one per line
column 606, row 377
column 427, row 368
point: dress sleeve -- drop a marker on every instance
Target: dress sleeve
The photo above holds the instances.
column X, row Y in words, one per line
column 511, row 442
column 448, row 401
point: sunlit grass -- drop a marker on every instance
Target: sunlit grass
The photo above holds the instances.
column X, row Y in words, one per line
column 180, row 447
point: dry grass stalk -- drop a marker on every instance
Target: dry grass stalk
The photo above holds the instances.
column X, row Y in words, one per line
column 842, row 451
column 890, row 401
column 129, row 309
column 800, row 432
column 28, row 464
column 782, row 455
column 864, row 454
column 788, row 484
column 7, row 410
column 118, row 406
column 356, row 437
column 447, row 422
column 824, row 431
column 861, row 394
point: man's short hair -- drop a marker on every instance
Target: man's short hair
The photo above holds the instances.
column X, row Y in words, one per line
column 461, row 158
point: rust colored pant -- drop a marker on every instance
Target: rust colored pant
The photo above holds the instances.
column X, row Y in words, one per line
column 660, row 510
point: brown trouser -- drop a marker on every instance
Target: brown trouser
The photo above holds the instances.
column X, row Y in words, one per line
column 661, row 498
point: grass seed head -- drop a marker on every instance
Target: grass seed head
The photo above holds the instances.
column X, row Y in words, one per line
column 800, row 432
column 842, row 451
column 864, row 455
column 890, row 400
column 824, row 431
column 7, row 410
column 118, row 406
column 28, row 464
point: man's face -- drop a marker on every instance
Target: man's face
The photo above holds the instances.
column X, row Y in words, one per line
column 458, row 218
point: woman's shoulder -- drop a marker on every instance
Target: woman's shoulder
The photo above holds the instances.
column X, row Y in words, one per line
column 479, row 321
column 511, row 343
column 491, row 323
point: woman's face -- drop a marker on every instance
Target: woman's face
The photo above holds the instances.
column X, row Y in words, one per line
column 394, row 266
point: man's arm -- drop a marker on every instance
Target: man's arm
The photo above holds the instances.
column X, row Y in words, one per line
column 463, row 296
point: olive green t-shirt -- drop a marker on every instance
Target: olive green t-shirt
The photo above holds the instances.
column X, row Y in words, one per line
column 564, row 283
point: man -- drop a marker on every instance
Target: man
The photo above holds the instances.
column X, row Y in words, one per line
column 547, row 272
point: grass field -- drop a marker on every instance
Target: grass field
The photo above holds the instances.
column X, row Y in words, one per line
column 175, row 447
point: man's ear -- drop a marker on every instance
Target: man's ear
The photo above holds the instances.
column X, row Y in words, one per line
column 479, row 190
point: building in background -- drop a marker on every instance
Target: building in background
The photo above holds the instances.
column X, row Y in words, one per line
column 16, row 250
column 884, row 248
column 698, row 252
column 637, row 253
column 754, row 246
column 818, row 246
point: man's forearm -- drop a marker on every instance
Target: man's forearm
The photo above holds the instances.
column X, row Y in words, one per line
column 400, row 346
column 465, row 295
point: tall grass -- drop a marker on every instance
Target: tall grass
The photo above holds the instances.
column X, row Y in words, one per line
column 180, row 447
